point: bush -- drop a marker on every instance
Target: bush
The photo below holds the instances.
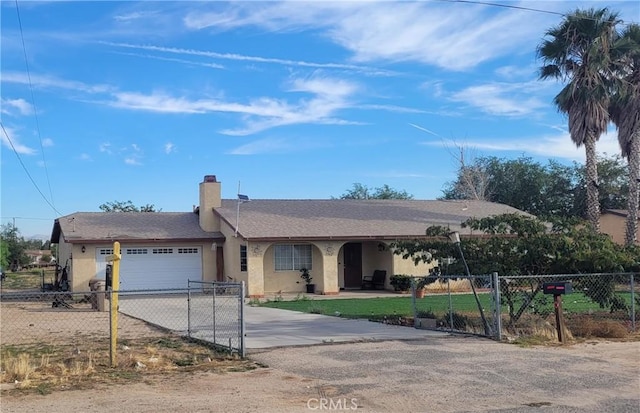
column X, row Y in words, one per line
column 401, row 282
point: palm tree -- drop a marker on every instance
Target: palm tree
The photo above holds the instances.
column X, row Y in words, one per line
column 579, row 51
column 625, row 113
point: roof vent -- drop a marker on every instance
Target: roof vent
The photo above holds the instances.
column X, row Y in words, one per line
column 210, row 178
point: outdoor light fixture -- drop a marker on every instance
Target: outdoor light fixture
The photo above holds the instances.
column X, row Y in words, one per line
column 83, row 249
column 455, row 238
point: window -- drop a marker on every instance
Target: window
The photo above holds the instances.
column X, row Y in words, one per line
column 187, row 250
column 106, row 251
column 292, row 257
column 136, row 251
column 163, row 250
column 243, row 258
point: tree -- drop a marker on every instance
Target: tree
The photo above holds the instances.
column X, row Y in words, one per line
column 13, row 247
column 625, row 114
column 360, row 191
column 120, row 206
column 515, row 245
column 545, row 190
column 579, row 50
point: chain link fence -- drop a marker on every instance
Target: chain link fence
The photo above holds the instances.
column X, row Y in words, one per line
column 216, row 314
column 600, row 305
column 455, row 303
column 81, row 320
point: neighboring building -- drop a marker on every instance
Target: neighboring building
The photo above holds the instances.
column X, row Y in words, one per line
column 614, row 223
column 37, row 258
column 262, row 242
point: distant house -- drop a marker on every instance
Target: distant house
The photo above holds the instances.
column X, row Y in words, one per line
column 614, row 223
column 261, row 242
column 37, row 258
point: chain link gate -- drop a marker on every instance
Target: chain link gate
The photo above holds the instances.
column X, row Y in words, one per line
column 456, row 303
column 216, row 314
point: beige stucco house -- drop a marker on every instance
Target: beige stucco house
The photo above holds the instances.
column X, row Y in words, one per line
column 261, row 242
column 614, row 223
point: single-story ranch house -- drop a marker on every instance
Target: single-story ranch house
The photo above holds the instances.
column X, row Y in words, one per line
column 614, row 223
column 262, row 242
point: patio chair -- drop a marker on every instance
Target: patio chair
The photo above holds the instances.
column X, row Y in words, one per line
column 374, row 281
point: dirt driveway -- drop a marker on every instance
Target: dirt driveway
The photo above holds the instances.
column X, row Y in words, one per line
column 436, row 374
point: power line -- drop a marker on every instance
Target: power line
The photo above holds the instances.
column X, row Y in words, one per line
column 26, row 170
column 33, row 102
column 510, row 6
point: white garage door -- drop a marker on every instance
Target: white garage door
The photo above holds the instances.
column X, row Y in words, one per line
column 158, row 267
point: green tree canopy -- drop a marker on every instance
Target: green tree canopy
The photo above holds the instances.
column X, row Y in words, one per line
column 128, row 206
column 359, row 191
column 544, row 190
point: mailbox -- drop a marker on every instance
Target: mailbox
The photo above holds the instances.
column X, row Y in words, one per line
column 557, row 288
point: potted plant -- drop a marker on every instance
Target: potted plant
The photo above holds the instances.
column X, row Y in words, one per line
column 421, row 284
column 311, row 288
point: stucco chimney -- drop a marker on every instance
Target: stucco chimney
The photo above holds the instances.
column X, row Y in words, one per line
column 210, row 198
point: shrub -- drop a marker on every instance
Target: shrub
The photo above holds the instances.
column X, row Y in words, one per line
column 401, row 282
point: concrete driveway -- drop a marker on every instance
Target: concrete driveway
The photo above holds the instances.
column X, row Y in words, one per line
column 264, row 327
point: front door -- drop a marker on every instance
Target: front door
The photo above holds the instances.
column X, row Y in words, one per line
column 352, row 265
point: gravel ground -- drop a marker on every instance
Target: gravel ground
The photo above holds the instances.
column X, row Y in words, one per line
column 449, row 374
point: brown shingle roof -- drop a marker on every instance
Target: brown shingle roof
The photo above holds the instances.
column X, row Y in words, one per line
column 345, row 218
column 130, row 226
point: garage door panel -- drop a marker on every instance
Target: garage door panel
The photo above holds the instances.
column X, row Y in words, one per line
column 158, row 267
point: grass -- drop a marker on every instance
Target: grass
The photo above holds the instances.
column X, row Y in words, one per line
column 439, row 304
column 42, row 368
column 28, row 279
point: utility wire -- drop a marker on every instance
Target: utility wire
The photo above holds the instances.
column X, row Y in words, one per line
column 510, row 6
column 26, row 170
column 33, row 102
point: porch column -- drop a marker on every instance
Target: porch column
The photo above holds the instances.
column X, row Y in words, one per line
column 255, row 270
column 329, row 284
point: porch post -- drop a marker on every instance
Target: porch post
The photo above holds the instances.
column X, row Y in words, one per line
column 329, row 284
column 255, row 270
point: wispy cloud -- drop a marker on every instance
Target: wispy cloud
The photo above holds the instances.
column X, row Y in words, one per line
column 175, row 60
column 15, row 107
column 169, row 148
column 47, row 142
column 85, row 157
column 105, row 148
column 550, row 146
column 46, row 81
column 329, row 96
column 267, row 145
column 256, row 59
column 12, row 141
column 502, row 99
column 390, row 31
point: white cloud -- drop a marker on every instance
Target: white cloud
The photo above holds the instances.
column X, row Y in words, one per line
column 502, row 99
column 47, row 142
column 392, row 31
column 12, row 141
column 550, row 146
column 257, row 59
column 46, row 81
column 169, row 59
column 85, row 157
column 268, row 145
column 11, row 106
column 105, row 148
column 169, row 148
column 132, row 161
column 329, row 96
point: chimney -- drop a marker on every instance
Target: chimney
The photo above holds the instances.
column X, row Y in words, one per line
column 210, row 198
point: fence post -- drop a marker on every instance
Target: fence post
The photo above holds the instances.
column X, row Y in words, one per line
column 633, row 304
column 242, row 331
column 413, row 302
column 189, row 308
column 215, row 287
column 497, row 310
column 450, row 305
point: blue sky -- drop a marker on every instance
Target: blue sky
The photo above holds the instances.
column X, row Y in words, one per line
column 139, row 100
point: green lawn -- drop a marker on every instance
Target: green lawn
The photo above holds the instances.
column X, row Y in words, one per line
column 439, row 304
